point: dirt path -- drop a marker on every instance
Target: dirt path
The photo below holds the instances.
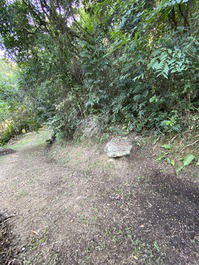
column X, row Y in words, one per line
column 90, row 210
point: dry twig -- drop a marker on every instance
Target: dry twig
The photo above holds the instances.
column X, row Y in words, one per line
column 189, row 145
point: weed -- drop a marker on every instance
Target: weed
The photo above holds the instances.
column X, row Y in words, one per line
column 162, row 156
column 140, row 178
column 88, row 220
column 21, row 194
column 37, row 242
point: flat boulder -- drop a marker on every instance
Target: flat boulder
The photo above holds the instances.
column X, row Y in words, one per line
column 118, row 147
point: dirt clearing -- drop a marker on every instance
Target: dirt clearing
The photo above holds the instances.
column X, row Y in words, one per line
column 73, row 205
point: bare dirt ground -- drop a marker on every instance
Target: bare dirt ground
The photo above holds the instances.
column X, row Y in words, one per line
column 74, row 206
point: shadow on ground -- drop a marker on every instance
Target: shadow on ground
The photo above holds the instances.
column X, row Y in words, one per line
column 154, row 220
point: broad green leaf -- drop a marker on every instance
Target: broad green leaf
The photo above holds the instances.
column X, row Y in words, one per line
column 179, row 169
column 167, row 146
column 188, row 159
column 172, row 162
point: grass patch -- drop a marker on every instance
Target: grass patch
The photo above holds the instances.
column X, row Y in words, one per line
column 30, row 139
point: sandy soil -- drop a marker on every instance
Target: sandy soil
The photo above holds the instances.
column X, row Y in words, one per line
column 73, row 205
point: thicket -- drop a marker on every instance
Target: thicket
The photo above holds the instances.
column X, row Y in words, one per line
column 15, row 116
column 132, row 62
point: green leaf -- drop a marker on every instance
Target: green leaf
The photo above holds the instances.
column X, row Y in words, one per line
column 179, row 169
column 161, row 156
column 166, row 146
column 172, row 162
column 188, row 159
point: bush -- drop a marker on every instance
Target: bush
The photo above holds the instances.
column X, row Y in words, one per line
column 133, row 62
column 19, row 122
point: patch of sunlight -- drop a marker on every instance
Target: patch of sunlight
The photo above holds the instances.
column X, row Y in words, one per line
column 31, row 139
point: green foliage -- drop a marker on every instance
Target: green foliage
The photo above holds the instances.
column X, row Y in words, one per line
column 14, row 116
column 8, row 88
column 6, row 132
column 66, row 119
column 187, row 160
column 132, row 62
column 167, row 146
column 165, row 62
column 19, row 121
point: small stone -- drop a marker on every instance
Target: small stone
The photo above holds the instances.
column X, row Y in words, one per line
column 111, row 160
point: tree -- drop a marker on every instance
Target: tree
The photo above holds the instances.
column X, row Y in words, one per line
column 132, row 61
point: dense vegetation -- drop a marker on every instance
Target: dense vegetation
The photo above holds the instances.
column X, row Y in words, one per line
column 132, row 62
column 15, row 116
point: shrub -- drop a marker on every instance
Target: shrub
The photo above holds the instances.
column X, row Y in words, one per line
column 20, row 121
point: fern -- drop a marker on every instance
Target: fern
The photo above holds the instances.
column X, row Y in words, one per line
column 166, row 61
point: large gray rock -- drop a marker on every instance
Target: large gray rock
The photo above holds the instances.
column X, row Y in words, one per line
column 88, row 127
column 118, row 147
